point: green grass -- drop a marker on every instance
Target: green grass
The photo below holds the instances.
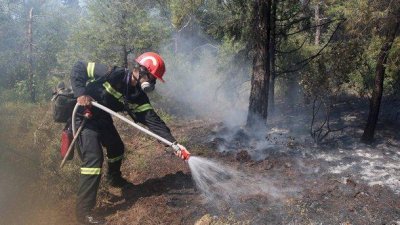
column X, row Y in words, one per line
column 167, row 118
column 31, row 135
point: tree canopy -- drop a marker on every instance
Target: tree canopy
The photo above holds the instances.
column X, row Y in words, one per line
column 317, row 49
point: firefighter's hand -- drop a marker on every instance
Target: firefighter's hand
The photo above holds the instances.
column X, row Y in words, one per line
column 182, row 153
column 84, row 100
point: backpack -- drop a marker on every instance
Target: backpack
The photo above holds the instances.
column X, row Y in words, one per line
column 63, row 103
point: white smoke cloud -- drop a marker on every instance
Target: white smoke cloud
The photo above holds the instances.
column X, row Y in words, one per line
column 199, row 83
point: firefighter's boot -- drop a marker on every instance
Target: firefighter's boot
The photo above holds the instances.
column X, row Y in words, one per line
column 114, row 177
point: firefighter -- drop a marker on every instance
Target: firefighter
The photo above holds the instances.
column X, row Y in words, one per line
column 120, row 90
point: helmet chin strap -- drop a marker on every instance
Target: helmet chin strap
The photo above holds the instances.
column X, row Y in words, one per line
column 127, row 77
column 132, row 76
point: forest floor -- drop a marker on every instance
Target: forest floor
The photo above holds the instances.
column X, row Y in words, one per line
column 340, row 181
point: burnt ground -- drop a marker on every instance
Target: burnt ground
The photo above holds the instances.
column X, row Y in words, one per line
column 340, row 181
column 332, row 186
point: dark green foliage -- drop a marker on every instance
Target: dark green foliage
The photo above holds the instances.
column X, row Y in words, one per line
column 49, row 32
column 343, row 61
column 110, row 31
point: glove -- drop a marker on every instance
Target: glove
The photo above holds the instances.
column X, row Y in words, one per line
column 181, row 151
column 84, row 100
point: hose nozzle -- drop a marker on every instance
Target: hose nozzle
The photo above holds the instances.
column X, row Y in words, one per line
column 185, row 154
column 180, row 151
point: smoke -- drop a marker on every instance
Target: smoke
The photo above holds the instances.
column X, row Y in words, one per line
column 208, row 80
column 17, row 198
column 202, row 81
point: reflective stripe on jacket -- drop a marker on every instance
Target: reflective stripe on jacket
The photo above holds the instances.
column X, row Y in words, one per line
column 109, row 89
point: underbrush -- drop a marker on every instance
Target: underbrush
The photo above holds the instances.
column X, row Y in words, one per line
column 31, row 140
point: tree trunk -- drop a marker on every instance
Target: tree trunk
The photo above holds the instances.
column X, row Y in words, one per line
column 375, row 101
column 317, row 19
column 31, row 82
column 272, row 48
column 125, row 55
column 125, row 51
column 258, row 105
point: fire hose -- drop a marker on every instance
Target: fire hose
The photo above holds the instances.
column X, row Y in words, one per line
column 76, row 133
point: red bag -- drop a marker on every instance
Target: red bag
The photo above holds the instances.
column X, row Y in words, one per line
column 66, row 139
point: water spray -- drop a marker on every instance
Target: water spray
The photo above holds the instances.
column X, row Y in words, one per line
column 223, row 183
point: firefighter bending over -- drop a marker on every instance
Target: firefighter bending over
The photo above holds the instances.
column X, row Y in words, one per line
column 120, row 90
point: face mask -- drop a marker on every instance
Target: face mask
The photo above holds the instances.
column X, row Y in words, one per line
column 147, row 86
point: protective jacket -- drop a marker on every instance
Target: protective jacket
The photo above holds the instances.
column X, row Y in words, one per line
column 110, row 87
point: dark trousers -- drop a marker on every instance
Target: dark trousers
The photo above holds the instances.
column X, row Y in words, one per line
column 95, row 134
